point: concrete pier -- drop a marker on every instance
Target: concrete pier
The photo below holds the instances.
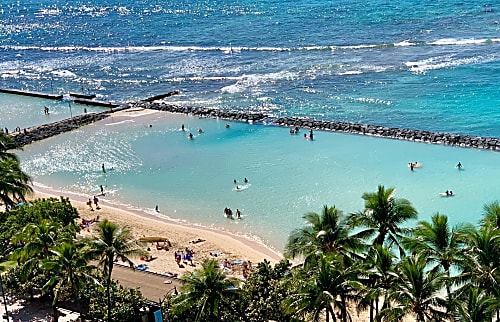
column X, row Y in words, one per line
column 29, row 93
column 83, row 96
column 95, row 103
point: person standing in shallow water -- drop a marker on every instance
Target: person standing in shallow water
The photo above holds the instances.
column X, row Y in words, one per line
column 459, row 165
column 103, row 168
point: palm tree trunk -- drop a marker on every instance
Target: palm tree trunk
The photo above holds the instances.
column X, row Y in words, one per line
column 108, row 286
column 344, row 308
column 371, row 310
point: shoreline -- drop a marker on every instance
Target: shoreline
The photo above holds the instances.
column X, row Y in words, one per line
column 215, row 243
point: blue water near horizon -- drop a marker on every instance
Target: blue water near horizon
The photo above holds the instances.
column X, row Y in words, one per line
column 418, row 65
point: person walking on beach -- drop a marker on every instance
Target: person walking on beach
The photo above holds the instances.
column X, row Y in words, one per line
column 96, row 202
column 102, row 189
column 89, row 203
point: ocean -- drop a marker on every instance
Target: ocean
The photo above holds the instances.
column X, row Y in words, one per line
column 418, row 65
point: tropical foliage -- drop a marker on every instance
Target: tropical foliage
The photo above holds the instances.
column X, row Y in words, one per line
column 14, row 183
column 369, row 265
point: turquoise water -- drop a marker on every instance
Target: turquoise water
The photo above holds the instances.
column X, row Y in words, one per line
column 288, row 176
column 420, row 65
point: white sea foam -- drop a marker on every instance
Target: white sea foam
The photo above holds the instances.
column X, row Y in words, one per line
column 63, row 73
column 445, row 61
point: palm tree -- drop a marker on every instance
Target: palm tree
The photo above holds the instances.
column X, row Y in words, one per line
column 33, row 244
column 205, row 289
column 491, row 215
column 6, row 144
column 325, row 288
column 483, row 259
column 325, row 233
column 383, row 215
column 474, row 305
column 68, row 265
column 378, row 276
column 415, row 293
column 14, row 183
column 111, row 242
column 438, row 244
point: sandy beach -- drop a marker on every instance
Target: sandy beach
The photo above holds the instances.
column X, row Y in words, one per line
column 203, row 241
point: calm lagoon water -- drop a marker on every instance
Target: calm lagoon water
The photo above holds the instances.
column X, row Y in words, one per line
column 192, row 180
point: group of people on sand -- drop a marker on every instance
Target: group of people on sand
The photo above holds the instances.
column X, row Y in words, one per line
column 181, row 257
column 96, row 203
column 246, row 266
column 86, row 223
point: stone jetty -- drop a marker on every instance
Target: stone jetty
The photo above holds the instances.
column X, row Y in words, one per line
column 465, row 141
column 40, row 132
column 30, row 93
column 203, row 112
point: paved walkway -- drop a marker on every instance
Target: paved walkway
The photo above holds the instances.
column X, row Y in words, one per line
column 151, row 285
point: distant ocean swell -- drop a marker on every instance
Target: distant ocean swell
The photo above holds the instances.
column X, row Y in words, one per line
column 229, row 49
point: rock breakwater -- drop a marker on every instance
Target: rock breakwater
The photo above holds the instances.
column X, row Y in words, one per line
column 40, row 132
column 203, row 112
column 465, row 141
